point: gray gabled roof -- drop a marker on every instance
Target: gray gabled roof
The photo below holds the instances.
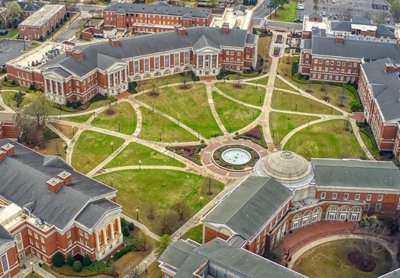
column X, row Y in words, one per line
column 30, row 6
column 146, row 45
column 393, row 274
column 356, row 173
column 242, row 263
column 361, row 20
column 5, row 236
column 344, row 26
column 385, row 87
column 249, row 206
column 104, row 61
column 23, row 178
column 241, row 8
column 157, row 8
column 205, row 42
column 95, row 211
column 354, row 48
column 59, row 71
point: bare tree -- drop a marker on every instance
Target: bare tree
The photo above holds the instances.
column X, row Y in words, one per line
column 151, row 209
column 181, row 209
column 135, row 273
column 39, row 110
column 209, row 183
column 168, row 221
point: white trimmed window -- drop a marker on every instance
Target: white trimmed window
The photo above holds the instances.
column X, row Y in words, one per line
column 378, row 207
column 357, row 197
column 380, row 198
column 368, row 198
column 346, row 196
column 4, row 263
column 334, row 196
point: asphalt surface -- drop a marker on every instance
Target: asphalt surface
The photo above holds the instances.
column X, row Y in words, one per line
column 10, row 49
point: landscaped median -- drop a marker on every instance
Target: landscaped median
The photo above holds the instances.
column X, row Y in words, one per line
column 164, row 199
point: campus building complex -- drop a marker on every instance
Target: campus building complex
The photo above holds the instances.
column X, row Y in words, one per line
column 48, row 207
column 107, row 67
column 289, row 194
column 39, row 24
column 239, row 17
column 153, row 18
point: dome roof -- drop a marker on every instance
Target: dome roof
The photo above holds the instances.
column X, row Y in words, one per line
column 287, row 167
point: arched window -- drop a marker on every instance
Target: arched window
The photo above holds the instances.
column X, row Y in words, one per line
column 306, row 218
column 296, row 221
column 344, row 213
column 355, row 213
column 332, row 212
column 316, row 215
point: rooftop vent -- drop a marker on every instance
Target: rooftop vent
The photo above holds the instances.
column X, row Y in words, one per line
column 8, row 148
column 66, row 177
column 54, row 185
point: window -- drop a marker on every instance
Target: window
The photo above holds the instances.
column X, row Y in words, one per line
column 355, row 214
column 332, row 213
column 316, row 215
column 368, row 198
column 344, row 213
column 346, row 196
column 86, row 235
column 42, row 239
column 30, row 241
column 136, row 67
column 68, row 234
column 166, row 61
column 146, row 64
column 357, row 197
column 323, row 195
column 296, row 221
column 398, row 205
column 306, row 218
column 378, row 207
column 380, row 198
column 4, row 263
column 334, row 196
column 176, row 59
column 157, row 62
column 43, row 249
column 29, row 232
column 187, row 57
column 69, row 243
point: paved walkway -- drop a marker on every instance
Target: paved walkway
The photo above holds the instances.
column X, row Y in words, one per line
column 212, row 107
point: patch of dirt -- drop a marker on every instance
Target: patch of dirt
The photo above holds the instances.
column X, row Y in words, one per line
column 357, row 259
column 110, row 111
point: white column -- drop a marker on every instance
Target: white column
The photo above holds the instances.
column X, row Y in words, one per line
column 97, row 241
column 119, row 225
column 105, row 236
column 112, row 230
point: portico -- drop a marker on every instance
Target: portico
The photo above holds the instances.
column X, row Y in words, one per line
column 108, row 238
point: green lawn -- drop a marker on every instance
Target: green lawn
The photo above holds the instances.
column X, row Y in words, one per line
column 13, row 33
column 161, row 187
column 161, row 81
column 234, row 116
column 370, row 142
column 92, row 148
column 120, row 118
column 282, row 85
column 246, row 93
column 195, row 233
column 188, row 106
column 78, row 119
column 261, row 81
column 326, row 140
column 64, row 110
column 158, row 128
column 10, row 101
column 286, row 13
column 329, row 260
column 281, row 124
column 136, row 154
column 293, row 102
column 67, row 130
column 33, row 275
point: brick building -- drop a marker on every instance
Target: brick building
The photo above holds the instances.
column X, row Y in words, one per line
column 28, row 8
column 153, row 18
column 8, row 125
column 107, row 67
column 48, row 207
column 259, row 212
column 40, row 23
column 9, row 265
column 379, row 88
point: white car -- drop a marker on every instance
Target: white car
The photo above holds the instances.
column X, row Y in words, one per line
column 300, row 6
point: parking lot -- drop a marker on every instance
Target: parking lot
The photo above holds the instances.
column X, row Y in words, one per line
column 10, row 49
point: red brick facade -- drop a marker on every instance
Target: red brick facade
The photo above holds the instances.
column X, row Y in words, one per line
column 9, row 263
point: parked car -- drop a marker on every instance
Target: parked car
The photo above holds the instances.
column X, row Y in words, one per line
column 300, row 6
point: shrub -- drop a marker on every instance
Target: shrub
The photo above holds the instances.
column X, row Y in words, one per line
column 122, row 252
column 70, row 260
column 131, row 226
column 86, row 260
column 58, row 259
column 123, row 223
column 31, row 87
column 125, row 231
column 77, row 267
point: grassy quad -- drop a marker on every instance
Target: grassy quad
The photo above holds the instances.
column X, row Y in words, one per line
column 158, row 128
column 120, row 118
column 136, row 154
column 333, row 257
column 246, row 93
column 260, row 81
column 162, row 81
column 189, row 106
column 294, row 102
column 92, row 148
column 285, row 13
column 12, row 33
column 78, row 119
column 282, row 85
column 161, row 187
column 233, row 115
column 195, row 233
column 9, row 99
column 67, row 130
column 329, row 139
column 281, row 124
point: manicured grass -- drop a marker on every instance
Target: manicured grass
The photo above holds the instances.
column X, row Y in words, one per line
column 329, row 260
column 52, row 147
column 158, row 128
column 294, row 102
column 189, row 106
column 120, row 117
column 282, row 85
column 64, row 110
column 136, row 154
column 9, row 99
column 12, row 33
column 78, row 119
column 234, row 116
column 331, row 140
column 33, row 275
column 263, row 46
column 246, row 93
column 162, row 81
column 153, row 271
column 285, row 13
column 92, row 148
column 67, row 271
column 281, row 124
column 162, row 187
column 195, row 233
column 261, row 81
column 369, row 141
column 67, row 130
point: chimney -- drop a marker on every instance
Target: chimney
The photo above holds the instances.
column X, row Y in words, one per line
column 389, row 67
column 225, row 28
column 65, row 177
column 54, row 185
column 115, row 42
column 76, row 53
column 3, row 155
column 306, row 35
column 9, row 149
column 182, row 31
column 339, row 40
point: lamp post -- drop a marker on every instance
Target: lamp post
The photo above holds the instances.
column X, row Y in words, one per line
column 201, row 201
column 31, row 263
column 112, row 147
column 137, row 213
column 145, row 266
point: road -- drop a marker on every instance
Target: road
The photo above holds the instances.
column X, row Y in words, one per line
column 260, row 12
